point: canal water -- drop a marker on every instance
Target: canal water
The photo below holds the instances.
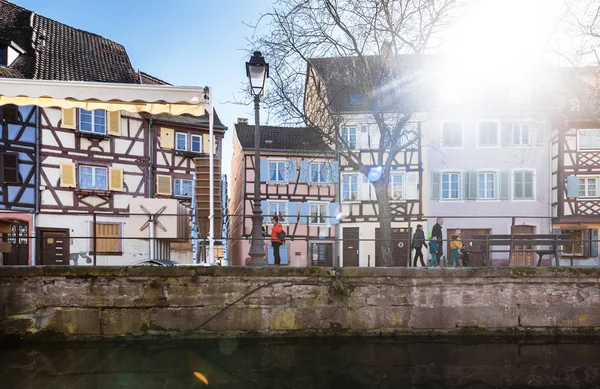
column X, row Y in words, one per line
column 305, row 363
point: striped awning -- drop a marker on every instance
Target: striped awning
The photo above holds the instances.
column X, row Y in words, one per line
column 153, row 99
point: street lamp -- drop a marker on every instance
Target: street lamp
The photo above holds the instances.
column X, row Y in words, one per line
column 257, row 71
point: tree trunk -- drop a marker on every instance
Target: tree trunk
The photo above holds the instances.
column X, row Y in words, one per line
column 385, row 223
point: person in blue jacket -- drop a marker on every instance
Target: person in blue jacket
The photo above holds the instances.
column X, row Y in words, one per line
column 434, row 251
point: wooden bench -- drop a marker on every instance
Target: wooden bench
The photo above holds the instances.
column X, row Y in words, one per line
column 541, row 244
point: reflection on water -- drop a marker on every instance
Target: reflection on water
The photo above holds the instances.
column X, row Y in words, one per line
column 303, row 363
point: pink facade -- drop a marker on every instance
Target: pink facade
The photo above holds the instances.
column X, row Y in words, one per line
column 299, row 187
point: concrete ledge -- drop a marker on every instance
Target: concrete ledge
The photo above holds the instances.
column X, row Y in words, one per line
column 279, row 271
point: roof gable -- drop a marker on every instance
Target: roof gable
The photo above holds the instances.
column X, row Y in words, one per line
column 283, row 138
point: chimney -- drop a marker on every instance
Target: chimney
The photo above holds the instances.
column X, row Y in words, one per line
column 242, row 121
column 384, row 52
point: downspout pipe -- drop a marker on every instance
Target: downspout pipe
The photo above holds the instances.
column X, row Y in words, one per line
column 37, row 191
column 151, row 161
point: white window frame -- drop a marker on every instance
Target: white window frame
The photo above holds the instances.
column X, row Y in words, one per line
column 498, row 129
column 585, row 193
column 514, row 182
column 322, row 165
column 402, row 189
column 279, row 203
column 192, row 137
column 92, row 113
column 177, row 134
column 180, row 181
column 462, row 134
column 277, row 161
column 495, row 193
column 579, row 134
column 321, row 205
column 458, row 189
column 94, row 174
column 530, row 134
column 357, row 176
column 348, row 137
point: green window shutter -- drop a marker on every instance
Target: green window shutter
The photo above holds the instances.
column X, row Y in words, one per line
column 507, row 134
column 505, row 185
column 465, row 182
column 593, row 232
column 572, row 187
column 473, row 184
column 539, row 135
column 436, row 178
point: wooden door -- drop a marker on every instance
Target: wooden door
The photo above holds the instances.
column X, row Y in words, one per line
column 54, row 247
column 400, row 245
column 523, row 258
column 350, row 246
column 476, row 252
column 19, row 242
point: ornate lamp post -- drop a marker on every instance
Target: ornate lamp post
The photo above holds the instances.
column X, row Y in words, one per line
column 257, row 71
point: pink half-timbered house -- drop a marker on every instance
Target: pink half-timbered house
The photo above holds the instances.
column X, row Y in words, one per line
column 299, row 175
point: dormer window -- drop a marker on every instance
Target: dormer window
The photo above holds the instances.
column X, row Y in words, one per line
column 9, row 51
column 355, row 98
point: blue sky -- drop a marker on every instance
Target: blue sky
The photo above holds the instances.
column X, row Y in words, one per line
column 184, row 42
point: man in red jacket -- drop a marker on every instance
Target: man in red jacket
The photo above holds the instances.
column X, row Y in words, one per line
column 275, row 241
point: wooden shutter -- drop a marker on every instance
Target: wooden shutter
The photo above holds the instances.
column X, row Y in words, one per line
column 69, row 118
column 206, row 144
column 290, row 171
column 304, row 171
column 411, row 188
column 504, row 185
column 593, row 232
column 264, row 170
column 436, row 178
column 108, row 238
column 167, row 138
column 115, row 179
column 163, row 185
column 67, row 175
column 539, row 134
column 507, row 136
column 9, row 168
column 114, row 123
column 473, row 184
column 334, row 172
column 572, row 187
column 464, row 177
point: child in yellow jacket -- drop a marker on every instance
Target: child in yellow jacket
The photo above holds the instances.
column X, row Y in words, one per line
column 455, row 246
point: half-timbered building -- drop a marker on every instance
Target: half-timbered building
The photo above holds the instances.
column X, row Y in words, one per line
column 576, row 166
column 298, row 181
column 77, row 171
column 328, row 83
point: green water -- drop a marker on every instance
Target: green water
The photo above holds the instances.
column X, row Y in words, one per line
column 304, row 363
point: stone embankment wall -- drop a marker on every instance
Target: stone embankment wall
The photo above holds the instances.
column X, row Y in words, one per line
column 82, row 303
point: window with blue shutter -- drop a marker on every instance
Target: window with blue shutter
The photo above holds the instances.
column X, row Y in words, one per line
column 264, row 170
column 334, row 210
column 304, row 171
column 335, row 171
column 304, row 213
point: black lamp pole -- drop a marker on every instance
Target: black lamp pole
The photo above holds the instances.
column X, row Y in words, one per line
column 257, row 71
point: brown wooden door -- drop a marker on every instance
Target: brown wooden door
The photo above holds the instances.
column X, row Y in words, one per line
column 54, row 248
column 400, row 244
column 523, row 258
column 350, row 244
column 19, row 242
column 476, row 255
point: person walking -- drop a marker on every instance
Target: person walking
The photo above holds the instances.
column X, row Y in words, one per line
column 455, row 246
column 433, row 250
column 276, row 241
column 418, row 241
column 436, row 232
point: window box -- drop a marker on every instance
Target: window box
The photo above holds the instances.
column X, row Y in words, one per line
column 92, row 135
column 191, row 154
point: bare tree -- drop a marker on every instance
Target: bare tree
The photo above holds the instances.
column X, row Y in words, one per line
column 375, row 48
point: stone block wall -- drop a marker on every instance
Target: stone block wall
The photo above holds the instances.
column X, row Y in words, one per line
column 85, row 303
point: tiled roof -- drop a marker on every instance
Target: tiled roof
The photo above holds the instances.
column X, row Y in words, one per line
column 151, row 80
column 10, row 73
column 75, row 55
column 189, row 119
column 343, row 75
column 282, row 138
